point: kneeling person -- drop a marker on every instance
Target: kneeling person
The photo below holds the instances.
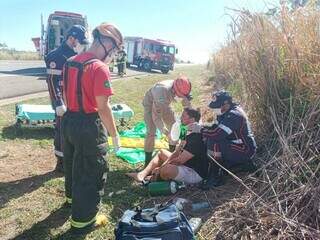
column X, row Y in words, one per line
column 188, row 163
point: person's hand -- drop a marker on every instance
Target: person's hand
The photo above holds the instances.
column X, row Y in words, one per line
column 195, row 128
column 60, row 110
column 155, row 174
column 116, row 143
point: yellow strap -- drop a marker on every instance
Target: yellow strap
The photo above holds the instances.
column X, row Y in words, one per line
column 69, row 200
column 82, row 224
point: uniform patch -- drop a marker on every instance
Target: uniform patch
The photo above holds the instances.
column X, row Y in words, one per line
column 52, row 65
column 107, row 84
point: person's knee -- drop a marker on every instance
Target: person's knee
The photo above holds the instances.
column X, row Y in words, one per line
column 168, row 172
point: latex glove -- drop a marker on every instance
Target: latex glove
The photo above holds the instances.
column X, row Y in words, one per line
column 195, row 128
column 166, row 132
column 186, row 103
column 60, row 110
column 116, row 143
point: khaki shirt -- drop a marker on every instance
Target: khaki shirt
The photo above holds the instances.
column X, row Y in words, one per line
column 159, row 98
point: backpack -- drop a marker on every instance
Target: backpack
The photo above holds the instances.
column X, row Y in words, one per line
column 163, row 222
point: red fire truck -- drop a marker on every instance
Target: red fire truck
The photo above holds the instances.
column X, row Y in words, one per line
column 56, row 31
column 150, row 54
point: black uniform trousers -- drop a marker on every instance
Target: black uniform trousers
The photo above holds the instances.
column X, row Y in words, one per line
column 85, row 165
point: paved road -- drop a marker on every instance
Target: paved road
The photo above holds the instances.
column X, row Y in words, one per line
column 19, row 78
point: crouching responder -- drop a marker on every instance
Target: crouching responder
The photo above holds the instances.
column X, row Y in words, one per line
column 87, row 89
column 158, row 113
column 55, row 60
column 231, row 141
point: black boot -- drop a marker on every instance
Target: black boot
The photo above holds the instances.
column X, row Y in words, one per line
column 148, row 157
column 214, row 178
column 59, row 166
column 172, row 148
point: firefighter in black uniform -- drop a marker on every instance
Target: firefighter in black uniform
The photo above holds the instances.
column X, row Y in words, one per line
column 76, row 39
column 87, row 90
column 230, row 141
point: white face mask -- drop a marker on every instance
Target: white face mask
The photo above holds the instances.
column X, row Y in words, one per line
column 217, row 111
column 79, row 48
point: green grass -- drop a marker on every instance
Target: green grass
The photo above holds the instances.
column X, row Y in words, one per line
column 7, row 54
column 32, row 208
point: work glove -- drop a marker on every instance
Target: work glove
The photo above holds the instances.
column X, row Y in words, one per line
column 116, row 143
column 195, row 128
column 60, row 110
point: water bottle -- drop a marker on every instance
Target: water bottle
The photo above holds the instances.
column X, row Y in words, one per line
column 199, row 206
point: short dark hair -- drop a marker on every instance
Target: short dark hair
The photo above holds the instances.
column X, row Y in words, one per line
column 193, row 113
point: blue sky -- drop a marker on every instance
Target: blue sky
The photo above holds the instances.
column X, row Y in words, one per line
column 197, row 27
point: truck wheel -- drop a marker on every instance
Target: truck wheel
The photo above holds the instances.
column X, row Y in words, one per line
column 147, row 66
column 164, row 71
column 128, row 65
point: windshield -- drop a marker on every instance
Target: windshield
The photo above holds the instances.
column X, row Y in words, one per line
column 164, row 49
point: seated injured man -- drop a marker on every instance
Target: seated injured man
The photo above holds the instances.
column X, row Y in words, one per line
column 188, row 163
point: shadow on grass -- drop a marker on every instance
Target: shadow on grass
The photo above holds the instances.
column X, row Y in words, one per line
column 142, row 70
column 38, row 71
column 15, row 189
column 41, row 230
column 38, row 133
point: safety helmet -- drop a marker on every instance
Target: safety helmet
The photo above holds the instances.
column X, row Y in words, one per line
column 219, row 98
column 109, row 30
column 182, row 87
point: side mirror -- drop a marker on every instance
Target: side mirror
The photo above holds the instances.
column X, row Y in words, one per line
column 176, row 50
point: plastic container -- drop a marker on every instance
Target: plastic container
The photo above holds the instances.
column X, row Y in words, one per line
column 175, row 130
column 195, row 224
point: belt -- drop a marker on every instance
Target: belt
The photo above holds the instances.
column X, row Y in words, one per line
column 82, row 115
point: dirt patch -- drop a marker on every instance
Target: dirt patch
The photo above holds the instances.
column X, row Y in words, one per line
column 22, row 160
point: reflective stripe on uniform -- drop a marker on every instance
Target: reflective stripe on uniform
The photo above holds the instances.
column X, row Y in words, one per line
column 82, row 224
column 225, row 128
column 237, row 141
column 54, row 71
column 68, row 200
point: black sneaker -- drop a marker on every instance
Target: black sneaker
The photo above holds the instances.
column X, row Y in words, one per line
column 215, row 181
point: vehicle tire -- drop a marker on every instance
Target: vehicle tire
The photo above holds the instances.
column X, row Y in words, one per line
column 164, row 71
column 147, row 66
column 128, row 65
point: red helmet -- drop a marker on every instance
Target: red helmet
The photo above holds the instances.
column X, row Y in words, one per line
column 182, row 87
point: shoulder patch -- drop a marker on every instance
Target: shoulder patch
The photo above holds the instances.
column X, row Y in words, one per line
column 52, row 65
column 107, row 84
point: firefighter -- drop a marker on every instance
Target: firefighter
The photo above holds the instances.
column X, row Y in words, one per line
column 87, row 89
column 121, row 62
column 230, row 141
column 158, row 113
column 55, row 60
